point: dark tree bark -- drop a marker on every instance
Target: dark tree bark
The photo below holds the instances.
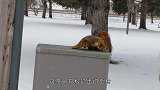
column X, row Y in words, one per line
column 124, row 16
column 50, row 8
column 130, row 19
column 44, row 8
column 134, row 15
column 143, row 15
column 26, row 8
column 84, row 12
column 151, row 17
column 100, row 16
column 129, row 5
column 89, row 15
column 134, row 18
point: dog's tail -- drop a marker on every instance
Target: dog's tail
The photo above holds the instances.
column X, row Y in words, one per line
column 107, row 40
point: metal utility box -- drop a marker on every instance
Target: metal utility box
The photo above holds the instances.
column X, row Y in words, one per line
column 62, row 68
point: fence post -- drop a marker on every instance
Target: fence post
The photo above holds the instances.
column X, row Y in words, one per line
column 16, row 48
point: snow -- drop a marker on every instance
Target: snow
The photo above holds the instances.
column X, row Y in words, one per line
column 139, row 51
column 57, row 7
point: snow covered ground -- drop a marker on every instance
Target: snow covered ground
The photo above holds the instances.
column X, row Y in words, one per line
column 139, row 51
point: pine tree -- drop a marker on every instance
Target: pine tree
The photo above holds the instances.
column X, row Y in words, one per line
column 98, row 15
column 151, row 6
column 157, row 9
column 68, row 3
column 120, row 7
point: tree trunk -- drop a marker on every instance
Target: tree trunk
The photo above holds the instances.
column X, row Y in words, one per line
column 6, row 36
column 89, row 15
column 44, row 8
column 134, row 18
column 134, row 15
column 130, row 19
column 83, row 12
column 26, row 8
column 129, row 5
column 124, row 16
column 151, row 17
column 50, row 8
column 100, row 16
column 143, row 14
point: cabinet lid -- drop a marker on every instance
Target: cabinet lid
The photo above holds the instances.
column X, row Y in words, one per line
column 67, row 50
